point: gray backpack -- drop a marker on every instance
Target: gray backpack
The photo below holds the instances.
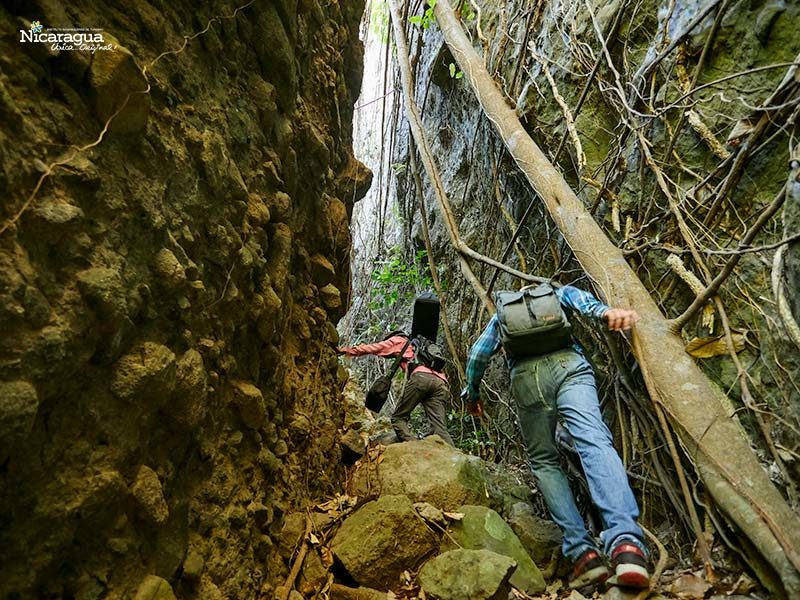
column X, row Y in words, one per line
column 532, row 321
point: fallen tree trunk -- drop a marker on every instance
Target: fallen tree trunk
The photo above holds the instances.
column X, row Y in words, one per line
column 694, row 404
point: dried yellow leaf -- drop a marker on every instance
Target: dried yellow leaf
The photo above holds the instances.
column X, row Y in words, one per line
column 707, row 347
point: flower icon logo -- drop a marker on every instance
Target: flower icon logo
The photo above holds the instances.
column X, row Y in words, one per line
column 36, row 27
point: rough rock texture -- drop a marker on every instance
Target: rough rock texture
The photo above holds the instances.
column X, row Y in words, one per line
column 541, row 538
column 341, row 592
column 429, row 471
column 161, row 296
column 468, row 575
column 484, row 529
column 154, row 588
column 382, row 539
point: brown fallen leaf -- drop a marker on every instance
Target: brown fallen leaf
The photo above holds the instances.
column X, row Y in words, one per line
column 707, row 347
column 689, row 586
column 454, row 516
column 327, row 557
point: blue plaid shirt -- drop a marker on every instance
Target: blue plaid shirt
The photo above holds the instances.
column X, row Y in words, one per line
column 489, row 341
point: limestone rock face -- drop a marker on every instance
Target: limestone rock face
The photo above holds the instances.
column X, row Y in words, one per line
column 382, row 539
column 468, row 575
column 160, row 293
column 484, row 529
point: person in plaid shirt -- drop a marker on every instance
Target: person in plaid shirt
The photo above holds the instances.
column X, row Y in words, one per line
column 557, row 386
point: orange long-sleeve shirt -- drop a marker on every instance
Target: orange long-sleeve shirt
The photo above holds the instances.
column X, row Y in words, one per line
column 391, row 348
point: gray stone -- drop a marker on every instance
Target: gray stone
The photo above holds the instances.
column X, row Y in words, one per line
column 322, row 271
column 313, row 575
column 468, row 575
column 154, row 588
column 19, row 404
column 58, row 212
column 148, row 493
column 191, row 388
column 342, row 592
column 382, row 539
column 430, row 513
column 169, row 269
column 294, row 526
column 541, row 537
column 484, row 529
column 37, row 308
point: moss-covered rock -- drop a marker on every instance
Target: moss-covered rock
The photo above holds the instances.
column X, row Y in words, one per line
column 484, row 529
column 382, row 539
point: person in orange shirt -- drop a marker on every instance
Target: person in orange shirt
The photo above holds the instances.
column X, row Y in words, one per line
column 426, row 385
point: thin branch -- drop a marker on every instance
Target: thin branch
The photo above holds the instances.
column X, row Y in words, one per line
column 679, row 322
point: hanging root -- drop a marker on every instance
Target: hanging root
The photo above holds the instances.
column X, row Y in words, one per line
column 789, row 322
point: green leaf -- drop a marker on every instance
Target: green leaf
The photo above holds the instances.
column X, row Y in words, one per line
column 452, row 70
column 416, row 20
column 459, row 75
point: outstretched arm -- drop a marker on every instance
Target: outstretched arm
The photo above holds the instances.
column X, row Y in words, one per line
column 480, row 353
column 618, row 319
column 390, row 347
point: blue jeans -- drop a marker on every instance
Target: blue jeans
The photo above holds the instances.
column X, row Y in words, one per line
column 561, row 385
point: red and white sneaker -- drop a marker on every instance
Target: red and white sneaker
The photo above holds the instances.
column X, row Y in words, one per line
column 589, row 569
column 630, row 566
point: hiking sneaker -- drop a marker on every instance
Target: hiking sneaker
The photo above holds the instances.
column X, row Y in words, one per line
column 589, row 569
column 630, row 565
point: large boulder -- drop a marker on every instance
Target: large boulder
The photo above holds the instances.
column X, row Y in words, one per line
column 541, row 538
column 484, row 529
column 427, row 471
column 468, row 575
column 382, row 539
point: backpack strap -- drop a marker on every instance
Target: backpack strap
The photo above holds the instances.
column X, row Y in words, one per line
column 398, row 360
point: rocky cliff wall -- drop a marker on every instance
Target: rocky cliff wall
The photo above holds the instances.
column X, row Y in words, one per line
column 168, row 298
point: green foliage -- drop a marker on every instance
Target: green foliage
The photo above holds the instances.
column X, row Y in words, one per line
column 427, row 18
column 397, row 278
column 476, row 441
column 455, row 74
column 466, row 12
column 379, row 19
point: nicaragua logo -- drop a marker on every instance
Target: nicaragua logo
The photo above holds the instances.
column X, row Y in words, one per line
column 84, row 40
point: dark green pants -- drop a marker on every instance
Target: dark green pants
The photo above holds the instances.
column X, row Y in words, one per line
column 434, row 394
